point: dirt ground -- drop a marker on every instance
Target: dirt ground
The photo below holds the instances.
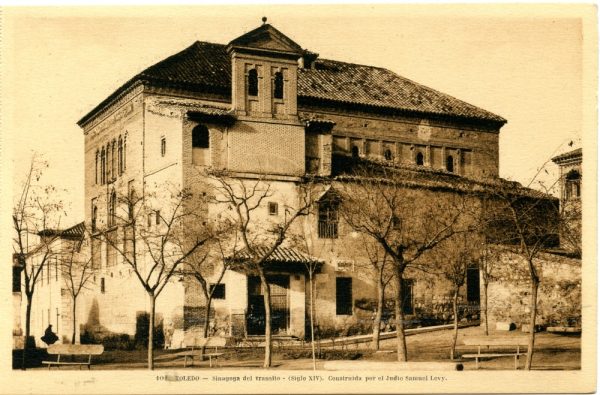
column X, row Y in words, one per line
column 552, row 352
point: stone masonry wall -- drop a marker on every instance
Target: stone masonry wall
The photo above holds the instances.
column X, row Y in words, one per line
column 559, row 296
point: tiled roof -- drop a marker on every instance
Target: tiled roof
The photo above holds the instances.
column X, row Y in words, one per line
column 280, row 255
column 577, row 153
column 206, row 67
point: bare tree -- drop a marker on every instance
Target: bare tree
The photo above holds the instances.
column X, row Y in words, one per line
column 77, row 269
column 208, row 266
column 461, row 251
column 34, row 212
column 259, row 238
column 383, row 204
column 528, row 221
column 380, row 269
column 160, row 233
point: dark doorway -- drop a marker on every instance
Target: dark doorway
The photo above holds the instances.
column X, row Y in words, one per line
column 473, row 285
column 280, row 311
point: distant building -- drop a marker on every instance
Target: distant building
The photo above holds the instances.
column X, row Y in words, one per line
column 51, row 303
column 570, row 183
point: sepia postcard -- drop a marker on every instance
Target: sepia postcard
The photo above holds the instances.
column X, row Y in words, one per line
column 328, row 198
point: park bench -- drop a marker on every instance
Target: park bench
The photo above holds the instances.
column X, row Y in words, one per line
column 75, row 350
column 194, row 349
column 495, row 346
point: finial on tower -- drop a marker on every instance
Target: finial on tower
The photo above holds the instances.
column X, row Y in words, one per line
column 264, row 19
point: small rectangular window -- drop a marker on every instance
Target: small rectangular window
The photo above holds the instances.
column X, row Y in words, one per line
column 150, row 220
column 16, row 279
column 328, row 219
column 218, row 291
column 157, row 217
column 102, row 285
column 163, row 146
column 273, row 208
column 343, row 296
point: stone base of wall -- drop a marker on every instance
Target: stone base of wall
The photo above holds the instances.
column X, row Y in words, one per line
column 559, row 294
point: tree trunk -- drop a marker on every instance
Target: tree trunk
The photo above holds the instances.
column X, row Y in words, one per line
column 312, row 319
column 27, row 332
column 206, row 325
column 267, row 301
column 535, row 283
column 486, row 327
column 399, row 311
column 74, row 321
column 378, row 313
column 151, row 333
column 455, row 312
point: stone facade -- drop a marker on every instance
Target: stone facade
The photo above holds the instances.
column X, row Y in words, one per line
column 559, row 297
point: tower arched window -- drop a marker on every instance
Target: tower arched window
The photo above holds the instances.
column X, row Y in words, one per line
column 388, row 154
column 200, row 137
column 278, row 85
column 450, row 164
column 252, row 82
column 419, row 159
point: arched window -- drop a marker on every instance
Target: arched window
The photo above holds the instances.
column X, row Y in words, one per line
column 253, row 83
column 125, row 152
column 113, row 154
column 97, row 164
column 355, row 151
column 573, row 185
column 200, row 137
column 103, row 166
column 112, row 206
column 419, row 159
column 120, row 156
column 450, row 164
column 278, row 85
column 388, row 154
column 94, row 217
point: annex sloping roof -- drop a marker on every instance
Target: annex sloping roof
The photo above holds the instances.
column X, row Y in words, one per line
column 74, row 232
column 206, row 67
column 415, row 176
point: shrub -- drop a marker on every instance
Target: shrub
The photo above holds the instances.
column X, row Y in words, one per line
column 141, row 331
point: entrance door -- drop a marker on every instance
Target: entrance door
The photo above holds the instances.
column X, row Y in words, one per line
column 473, row 285
column 280, row 311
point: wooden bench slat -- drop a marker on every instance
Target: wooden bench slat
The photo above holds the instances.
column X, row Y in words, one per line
column 488, row 355
column 75, row 349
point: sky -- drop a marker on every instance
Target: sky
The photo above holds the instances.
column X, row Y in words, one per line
column 525, row 64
